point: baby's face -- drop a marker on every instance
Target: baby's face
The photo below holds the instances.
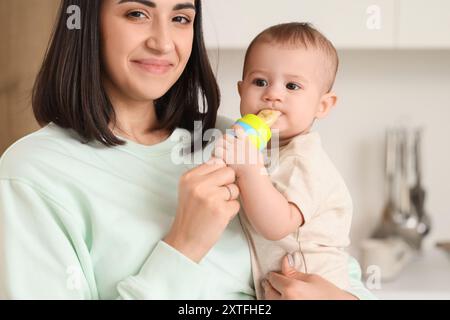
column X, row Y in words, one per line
column 286, row 79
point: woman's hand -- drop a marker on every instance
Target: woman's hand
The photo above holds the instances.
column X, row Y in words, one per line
column 293, row 285
column 205, row 207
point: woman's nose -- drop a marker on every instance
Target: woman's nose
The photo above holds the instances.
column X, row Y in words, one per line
column 160, row 39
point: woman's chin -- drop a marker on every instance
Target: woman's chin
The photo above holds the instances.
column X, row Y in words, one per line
column 144, row 94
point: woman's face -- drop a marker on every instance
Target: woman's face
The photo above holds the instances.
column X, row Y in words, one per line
column 145, row 45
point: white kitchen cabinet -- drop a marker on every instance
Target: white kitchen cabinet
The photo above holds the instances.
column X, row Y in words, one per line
column 232, row 24
column 424, row 24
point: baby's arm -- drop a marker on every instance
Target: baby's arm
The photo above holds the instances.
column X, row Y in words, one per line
column 266, row 208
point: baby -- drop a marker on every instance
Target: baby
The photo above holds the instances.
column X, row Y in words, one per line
column 302, row 206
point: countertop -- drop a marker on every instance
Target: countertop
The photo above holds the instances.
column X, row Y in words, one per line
column 426, row 277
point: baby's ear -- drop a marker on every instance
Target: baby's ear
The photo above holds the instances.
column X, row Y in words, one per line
column 327, row 101
column 239, row 87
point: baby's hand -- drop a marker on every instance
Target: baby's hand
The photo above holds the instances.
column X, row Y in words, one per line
column 239, row 152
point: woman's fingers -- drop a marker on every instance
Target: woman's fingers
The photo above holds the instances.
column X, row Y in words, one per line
column 208, row 167
column 231, row 192
column 288, row 288
column 290, row 271
column 269, row 292
column 278, row 281
column 221, row 177
column 232, row 206
column 290, row 283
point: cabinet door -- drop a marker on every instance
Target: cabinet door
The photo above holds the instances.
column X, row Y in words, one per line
column 352, row 24
column 232, row 24
column 424, row 24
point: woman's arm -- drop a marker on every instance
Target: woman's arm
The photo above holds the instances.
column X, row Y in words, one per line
column 43, row 255
column 42, row 252
column 203, row 213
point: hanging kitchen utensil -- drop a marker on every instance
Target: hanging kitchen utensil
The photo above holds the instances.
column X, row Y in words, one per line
column 417, row 193
column 386, row 227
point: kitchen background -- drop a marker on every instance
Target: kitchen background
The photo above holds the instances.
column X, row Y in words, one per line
column 394, row 71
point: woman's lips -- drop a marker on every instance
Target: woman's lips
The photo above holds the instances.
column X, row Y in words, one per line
column 154, row 66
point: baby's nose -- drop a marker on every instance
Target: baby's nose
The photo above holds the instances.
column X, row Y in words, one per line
column 272, row 95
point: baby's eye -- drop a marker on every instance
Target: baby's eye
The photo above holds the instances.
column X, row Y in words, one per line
column 260, row 82
column 292, row 86
column 181, row 20
column 137, row 15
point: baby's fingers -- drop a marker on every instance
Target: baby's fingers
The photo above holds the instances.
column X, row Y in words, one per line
column 225, row 141
column 239, row 131
column 227, row 155
column 219, row 153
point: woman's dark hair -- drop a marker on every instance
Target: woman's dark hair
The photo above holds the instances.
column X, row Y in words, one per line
column 69, row 92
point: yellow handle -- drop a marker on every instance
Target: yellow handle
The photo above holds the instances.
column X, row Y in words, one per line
column 258, row 131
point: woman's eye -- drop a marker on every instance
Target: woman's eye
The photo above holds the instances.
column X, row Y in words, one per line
column 136, row 15
column 181, row 20
column 260, row 82
column 292, row 86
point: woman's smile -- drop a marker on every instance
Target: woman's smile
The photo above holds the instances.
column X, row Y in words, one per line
column 154, row 66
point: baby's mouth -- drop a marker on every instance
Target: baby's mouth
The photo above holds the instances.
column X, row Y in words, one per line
column 269, row 116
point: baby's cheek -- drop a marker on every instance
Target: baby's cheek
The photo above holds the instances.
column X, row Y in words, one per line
column 249, row 104
column 285, row 127
column 280, row 124
column 247, row 108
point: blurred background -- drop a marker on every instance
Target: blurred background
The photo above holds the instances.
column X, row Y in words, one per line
column 25, row 27
column 394, row 76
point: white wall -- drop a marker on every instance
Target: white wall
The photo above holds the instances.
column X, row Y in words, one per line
column 377, row 89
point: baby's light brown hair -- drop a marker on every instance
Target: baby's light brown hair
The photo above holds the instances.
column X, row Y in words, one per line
column 301, row 35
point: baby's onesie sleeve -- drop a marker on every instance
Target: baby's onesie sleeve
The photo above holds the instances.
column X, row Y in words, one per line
column 296, row 181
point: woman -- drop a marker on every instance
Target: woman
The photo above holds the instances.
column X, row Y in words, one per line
column 94, row 205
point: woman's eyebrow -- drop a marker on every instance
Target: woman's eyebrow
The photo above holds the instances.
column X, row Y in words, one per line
column 186, row 5
column 151, row 4
column 147, row 3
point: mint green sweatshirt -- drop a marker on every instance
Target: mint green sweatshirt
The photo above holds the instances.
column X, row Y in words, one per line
column 83, row 221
